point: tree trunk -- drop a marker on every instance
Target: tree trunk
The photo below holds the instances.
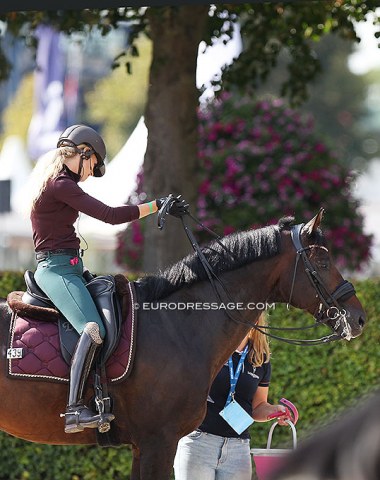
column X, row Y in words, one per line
column 171, row 161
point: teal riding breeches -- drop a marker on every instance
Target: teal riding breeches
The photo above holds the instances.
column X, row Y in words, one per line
column 61, row 278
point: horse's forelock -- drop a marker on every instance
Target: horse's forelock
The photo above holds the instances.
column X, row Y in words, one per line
column 286, row 223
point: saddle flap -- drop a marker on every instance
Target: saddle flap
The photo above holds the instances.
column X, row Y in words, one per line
column 103, row 292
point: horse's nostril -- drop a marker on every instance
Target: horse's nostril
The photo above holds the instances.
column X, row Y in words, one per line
column 361, row 322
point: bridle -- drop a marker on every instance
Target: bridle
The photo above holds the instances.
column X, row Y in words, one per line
column 330, row 301
column 332, row 308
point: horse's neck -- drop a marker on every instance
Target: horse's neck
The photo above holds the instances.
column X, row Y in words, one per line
column 247, row 289
column 252, row 284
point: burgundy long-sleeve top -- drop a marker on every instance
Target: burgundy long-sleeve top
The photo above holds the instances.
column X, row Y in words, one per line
column 56, row 211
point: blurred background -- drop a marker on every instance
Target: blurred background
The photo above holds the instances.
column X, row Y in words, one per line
column 74, row 78
column 260, row 155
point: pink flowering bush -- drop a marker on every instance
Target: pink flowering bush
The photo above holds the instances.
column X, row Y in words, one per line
column 262, row 160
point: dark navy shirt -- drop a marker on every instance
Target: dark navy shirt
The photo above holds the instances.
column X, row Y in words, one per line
column 250, row 378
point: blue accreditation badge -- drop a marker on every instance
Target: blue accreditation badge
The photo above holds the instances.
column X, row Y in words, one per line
column 236, row 417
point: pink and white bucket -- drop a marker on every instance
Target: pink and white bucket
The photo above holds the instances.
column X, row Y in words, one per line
column 267, row 460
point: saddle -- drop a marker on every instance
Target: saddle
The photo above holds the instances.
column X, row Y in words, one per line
column 35, row 304
column 42, row 341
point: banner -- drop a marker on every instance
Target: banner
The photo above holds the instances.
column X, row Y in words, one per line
column 48, row 119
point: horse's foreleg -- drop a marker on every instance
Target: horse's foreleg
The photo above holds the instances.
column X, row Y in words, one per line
column 135, row 474
column 156, row 459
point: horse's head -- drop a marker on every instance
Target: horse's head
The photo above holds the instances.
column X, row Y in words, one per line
column 316, row 285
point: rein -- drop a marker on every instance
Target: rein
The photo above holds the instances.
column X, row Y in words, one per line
column 330, row 301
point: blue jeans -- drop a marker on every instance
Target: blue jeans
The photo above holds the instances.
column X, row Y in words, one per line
column 203, row 456
column 64, row 284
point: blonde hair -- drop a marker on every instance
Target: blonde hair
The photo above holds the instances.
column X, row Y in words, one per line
column 47, row 168
column 259, row 351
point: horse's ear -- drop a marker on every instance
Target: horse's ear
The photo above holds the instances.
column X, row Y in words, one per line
column 314, row 223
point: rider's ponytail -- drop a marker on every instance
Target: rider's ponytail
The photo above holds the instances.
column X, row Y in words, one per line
column 47, row 167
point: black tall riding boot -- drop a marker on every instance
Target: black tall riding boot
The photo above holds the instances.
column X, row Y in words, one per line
column 78, row 416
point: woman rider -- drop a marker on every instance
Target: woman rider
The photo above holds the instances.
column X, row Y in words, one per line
column 56, row 203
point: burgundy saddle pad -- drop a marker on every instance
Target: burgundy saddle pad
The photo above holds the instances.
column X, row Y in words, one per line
column 34, row 349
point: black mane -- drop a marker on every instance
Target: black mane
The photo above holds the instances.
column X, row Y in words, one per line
column 245, row 247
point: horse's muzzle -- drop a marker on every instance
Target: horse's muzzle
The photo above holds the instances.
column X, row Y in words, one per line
column 356, row 319
column 346, row 323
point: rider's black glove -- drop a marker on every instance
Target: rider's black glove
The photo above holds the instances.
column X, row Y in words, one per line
column 161, row 201
column 178, row 207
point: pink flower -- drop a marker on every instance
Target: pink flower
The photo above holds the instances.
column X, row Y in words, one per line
column 320, row 148
column 74, row 261
column 137, row 236
column 228, row 229
column 204, row 187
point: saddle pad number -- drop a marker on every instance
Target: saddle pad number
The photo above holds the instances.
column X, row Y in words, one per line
column 14, row 353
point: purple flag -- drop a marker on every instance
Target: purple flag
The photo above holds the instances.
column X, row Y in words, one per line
column 48, row 118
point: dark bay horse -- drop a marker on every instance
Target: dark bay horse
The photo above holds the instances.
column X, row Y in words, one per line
column 183, row 341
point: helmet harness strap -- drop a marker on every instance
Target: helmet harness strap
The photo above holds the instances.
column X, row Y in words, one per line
column 84, row 155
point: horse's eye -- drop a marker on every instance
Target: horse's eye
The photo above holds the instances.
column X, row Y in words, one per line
column 323, row 265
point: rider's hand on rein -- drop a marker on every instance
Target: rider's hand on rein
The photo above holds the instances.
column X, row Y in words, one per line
column 178, row 207
column 171, row 205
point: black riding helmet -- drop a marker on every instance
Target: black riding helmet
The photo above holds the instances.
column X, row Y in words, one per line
column 82, row 134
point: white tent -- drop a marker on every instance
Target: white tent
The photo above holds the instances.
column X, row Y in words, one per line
column 118, row 183
column 15, row 166
column 16, row 247
column 367, row 191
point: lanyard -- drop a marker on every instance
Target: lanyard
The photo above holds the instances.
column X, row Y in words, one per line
column 235, row 376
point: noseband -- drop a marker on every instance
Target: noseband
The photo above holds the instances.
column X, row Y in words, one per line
column 330, row 301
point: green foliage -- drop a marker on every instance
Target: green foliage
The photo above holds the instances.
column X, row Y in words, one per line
column 324, row 380
column 13, row 122
column 11, row 281
column 122, row 102
column 118, row 101
column 20, row 460
column 271, row 28
column 321, row 381
column 267, row 29
column 336, row 100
